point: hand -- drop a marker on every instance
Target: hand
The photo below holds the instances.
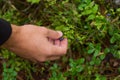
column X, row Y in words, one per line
column 36, row 43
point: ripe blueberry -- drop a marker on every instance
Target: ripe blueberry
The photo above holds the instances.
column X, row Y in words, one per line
column 61, row 38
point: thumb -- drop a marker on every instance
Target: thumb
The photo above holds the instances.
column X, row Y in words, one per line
column 54, row 34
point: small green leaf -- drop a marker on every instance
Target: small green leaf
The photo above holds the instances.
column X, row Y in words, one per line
column 81, row 68
column 91, row 17
column 87, row 12
column 81, row 61
column 90, row 5
column 97, row 61
column 92, row 62
column 98, row 47
column 112, row 40
column 95, row 9
column 118, row 10
column 80, row 7
column 102, row 56
column 90, row 51
column 33, row 1
column 107, row 50
column 62, row 27
column 91, row 45
column 96, row 53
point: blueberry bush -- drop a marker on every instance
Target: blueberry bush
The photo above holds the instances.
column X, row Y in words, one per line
column 93, row 31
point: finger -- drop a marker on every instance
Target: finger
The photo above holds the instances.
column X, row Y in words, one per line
column 61, row 49
column 51, row 41
column 54, row 34
column 57, row 42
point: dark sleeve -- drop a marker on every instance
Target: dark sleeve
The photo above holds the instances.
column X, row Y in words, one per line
column 5, row 31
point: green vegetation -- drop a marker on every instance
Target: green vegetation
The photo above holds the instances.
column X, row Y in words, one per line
column 92, row 28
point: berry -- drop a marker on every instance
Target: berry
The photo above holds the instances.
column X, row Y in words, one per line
column 61, row 38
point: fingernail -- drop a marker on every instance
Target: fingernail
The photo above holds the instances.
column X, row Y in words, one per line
column 61, row 34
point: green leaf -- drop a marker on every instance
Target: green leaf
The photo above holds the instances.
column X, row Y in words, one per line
column 118, row 52
column 97, row 61
column 118, row 10
column 91, row 45
column 117, row 36
column 81, row 61
column 95, row 9
column 87, row 12
column 92, row 62
column 102, row 56
column 63, row 28
column 98, row 47
column 90, row 5
column 96, row 53
column 33, row 1
column 111, row 31
column 107, row 50
column 81, row 68
column 81, row 6
column 91, row 17
column 112, row 40
column 90, row 51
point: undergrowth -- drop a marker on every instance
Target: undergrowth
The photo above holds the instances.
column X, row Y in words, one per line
column 92, row 29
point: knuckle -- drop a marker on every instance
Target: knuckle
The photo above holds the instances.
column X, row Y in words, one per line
column 43, row 28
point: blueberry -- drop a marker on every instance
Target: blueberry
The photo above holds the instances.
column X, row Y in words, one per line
column 108, row 14
column 61, row 38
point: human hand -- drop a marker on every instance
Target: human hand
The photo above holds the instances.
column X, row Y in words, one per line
column 36, row 43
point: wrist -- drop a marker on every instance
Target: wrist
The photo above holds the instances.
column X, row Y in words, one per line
column 9, row 43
